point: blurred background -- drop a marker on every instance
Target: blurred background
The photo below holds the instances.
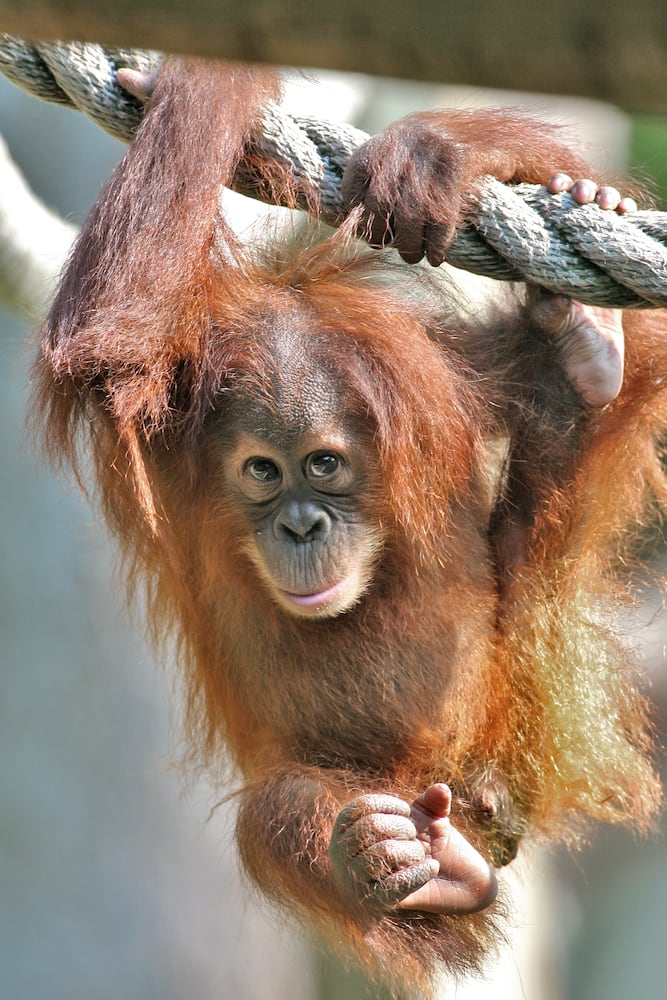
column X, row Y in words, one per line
column 115, row 881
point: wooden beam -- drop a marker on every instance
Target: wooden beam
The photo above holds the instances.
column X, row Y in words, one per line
column 606, row 50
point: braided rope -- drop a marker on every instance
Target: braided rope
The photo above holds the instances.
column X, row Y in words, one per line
column 517, row 233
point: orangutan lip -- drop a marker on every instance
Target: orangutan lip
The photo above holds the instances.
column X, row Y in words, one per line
column 317, row 600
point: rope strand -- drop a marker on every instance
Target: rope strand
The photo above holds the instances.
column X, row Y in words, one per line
column 517, row 233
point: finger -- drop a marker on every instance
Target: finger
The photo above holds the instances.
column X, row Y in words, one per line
column 355, row 180
column 395, row 887
column 437, row 239
column 375, row 224
column 409, row 239
column 379, row 229
column 547, row 310
column 378, row 223
column 436, row 800
column 136, row 82
column 364, row 805
column 386, row 857
column 626, row 206
column 558, row 183
column 608, row 198
column 442, row 895
column 412, row 257
column 370, row 830
column 584, row 191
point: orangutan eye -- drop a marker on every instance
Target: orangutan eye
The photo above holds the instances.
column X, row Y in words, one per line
column 264, row 470
column 322, row 464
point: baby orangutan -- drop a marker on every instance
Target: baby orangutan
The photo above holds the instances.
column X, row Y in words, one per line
column 397, row 641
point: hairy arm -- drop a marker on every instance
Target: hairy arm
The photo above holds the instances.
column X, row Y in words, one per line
column 415, row 179
column 305, row 835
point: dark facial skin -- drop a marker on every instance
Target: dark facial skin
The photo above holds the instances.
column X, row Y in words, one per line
column 302, row 485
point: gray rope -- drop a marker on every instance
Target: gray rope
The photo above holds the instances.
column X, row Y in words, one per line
column 517, row 233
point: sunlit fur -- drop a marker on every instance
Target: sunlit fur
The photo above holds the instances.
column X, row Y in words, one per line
column 444, row 670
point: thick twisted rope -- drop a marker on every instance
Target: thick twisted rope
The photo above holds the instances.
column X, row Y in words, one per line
column 517, row 233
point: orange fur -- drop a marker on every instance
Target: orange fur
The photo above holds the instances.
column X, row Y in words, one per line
column 440, row 672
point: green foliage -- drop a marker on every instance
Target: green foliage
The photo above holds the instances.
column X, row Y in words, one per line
column 649, row 154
